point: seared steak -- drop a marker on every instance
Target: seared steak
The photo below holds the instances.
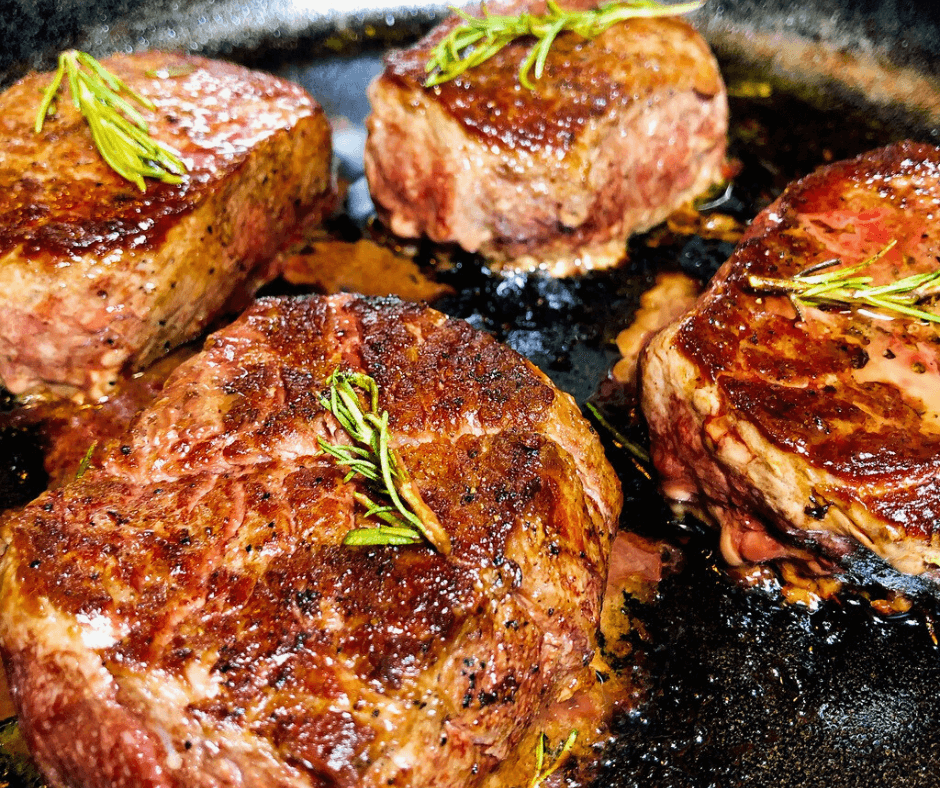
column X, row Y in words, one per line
column 95, row 275
column 619, row 131
column 826, row 428
column 187, row 615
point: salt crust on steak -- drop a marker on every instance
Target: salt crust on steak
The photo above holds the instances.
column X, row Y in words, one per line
column 828, row 428
column 96, row 276
column 186, row 615
column 618, row 133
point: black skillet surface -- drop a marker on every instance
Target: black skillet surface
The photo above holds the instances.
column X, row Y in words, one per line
column 743, row 689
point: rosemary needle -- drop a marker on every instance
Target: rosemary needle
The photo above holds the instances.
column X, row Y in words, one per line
column 117, row 128
column 407, row 519
column 847, row 287
column 477, row 39
column 86, row 461
column 634, row 448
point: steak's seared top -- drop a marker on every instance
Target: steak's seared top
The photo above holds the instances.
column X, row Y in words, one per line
column 58, row 197
column 854, row 393
column 582, row 82
column 99, row 279
column 193, row 597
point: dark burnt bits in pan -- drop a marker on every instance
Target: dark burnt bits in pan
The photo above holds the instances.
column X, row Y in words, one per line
column 22, row 476
column 749, row 692
column 746, row 689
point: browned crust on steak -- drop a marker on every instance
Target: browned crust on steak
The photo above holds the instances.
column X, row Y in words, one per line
column 96, row 275
column 194, row 593
column 629, row 63
column 620, row 130
column 828, row 426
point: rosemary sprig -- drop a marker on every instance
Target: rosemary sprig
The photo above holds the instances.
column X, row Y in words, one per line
column 846, row 287
column 543, row 772
column 117, row 128
column 479, row 38
column 408, row 519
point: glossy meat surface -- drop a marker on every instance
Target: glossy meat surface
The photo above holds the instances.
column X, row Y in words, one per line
column 827, row 427
column 96, row 276
column 187, row 614
column 619, row 131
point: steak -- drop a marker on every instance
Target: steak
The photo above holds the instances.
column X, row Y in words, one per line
column 186, row 614
column 819, row 430
column 619, row 132
column 96, row 276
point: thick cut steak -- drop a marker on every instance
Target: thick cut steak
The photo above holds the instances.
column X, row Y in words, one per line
column 96, row 276
column 187, row 615
column 826, row 428
column 620, row 131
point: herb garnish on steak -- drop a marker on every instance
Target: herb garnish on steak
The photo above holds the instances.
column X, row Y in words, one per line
column 119, row 131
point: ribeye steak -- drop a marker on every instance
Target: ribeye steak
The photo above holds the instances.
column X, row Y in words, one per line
column 96, row 276
column 619, row 131
column 187, row 614
column 825, row 427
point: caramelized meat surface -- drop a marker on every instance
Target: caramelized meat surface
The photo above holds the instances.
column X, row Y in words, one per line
column 186, row 614
column 826, row 427
column 96, row 276
column 619, row 132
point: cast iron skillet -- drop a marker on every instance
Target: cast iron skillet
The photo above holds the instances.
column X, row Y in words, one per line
column 743, row 690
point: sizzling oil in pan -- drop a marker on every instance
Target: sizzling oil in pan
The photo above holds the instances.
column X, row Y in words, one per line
column 740, row 689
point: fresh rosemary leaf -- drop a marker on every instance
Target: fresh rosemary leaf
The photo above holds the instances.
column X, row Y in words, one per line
column 847, row 288
column 382, row 535
column 86, row 460
column 543, row 771
column 477, row 39
column 117, row 128
column 634, row 448
column 408, row 519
